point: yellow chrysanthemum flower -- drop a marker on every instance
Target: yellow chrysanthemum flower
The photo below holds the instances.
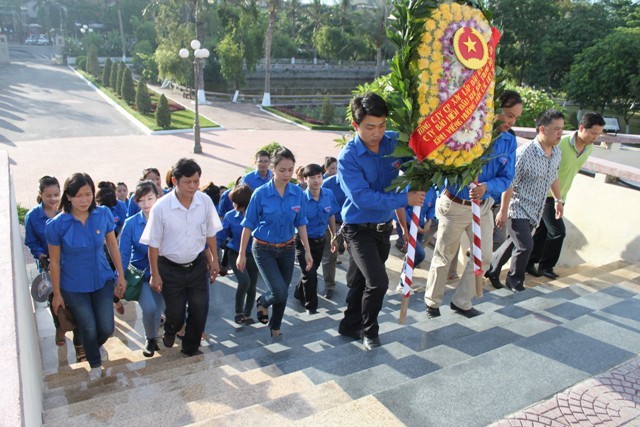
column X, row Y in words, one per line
column 427, row 38
column 430, row 25
column 423, row 64
column 435, row 68
column 436, row 57
column 424, row 110
column 455, row 8
column 433, row 103
column 434, row 78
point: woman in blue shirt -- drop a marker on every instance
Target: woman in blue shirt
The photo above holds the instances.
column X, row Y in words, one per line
column 274, row 211
column 137, row 254
column 80, row 273
column 151, row 174
column 34, row 224
column 232, row 228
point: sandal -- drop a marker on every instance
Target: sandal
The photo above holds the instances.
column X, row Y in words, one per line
column 262, row 316
column 239, row 319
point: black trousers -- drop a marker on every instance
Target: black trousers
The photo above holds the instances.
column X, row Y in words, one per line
column 548, row 238
column 182, row 285
column 307, row 287
column 366, row 277
column 518, row 247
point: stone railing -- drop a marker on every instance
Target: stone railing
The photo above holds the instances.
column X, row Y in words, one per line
column 21, row 367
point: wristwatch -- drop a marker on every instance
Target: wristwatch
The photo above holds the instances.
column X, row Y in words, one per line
column 559, row 201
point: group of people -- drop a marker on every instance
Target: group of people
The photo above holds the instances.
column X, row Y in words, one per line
column 181, row 238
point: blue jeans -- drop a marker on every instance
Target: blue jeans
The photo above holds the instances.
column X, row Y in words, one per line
column 152, row 305
column 276, row 268
column 93, row 312
column 247, row 279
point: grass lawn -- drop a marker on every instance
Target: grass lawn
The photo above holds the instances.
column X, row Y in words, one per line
column 179, row 119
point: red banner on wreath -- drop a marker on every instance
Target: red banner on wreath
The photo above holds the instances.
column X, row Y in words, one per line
column 443, row 122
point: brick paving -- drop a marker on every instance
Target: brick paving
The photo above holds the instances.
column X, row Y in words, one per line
column 608, row 399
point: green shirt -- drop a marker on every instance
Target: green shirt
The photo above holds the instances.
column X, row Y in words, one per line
column 571, row 162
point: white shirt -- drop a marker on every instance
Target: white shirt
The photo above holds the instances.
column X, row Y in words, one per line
column 179, row 233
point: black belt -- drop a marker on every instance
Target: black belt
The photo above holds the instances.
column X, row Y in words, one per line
column 380, row 227
column 458, row 200
column 187, row 265
column 316, row 239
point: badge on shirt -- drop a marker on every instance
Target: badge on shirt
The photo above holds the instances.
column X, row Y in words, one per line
column 396, row 164
column 327, row 209
column 296, row 208
column 97, row 231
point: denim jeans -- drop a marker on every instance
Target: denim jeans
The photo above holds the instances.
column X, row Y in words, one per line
column 247, row 279
column 152, row 305
column 93, row 312
column 276, row 268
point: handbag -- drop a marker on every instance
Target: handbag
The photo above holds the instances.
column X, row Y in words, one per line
column 134, row 278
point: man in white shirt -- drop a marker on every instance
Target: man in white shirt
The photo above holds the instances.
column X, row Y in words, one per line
column 179, row 226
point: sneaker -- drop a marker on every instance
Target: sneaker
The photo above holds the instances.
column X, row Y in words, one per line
column 104, row 356
column 95, row 373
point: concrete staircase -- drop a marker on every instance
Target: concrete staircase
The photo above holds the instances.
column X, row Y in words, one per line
column 447, row 371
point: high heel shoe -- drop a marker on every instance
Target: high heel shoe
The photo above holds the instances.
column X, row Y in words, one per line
column 262, row 312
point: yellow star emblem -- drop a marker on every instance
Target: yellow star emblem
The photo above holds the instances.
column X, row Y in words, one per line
column 471, row 45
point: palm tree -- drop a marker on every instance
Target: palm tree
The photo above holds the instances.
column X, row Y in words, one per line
column 272, row 10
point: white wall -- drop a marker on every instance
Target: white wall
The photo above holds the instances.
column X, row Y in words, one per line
column 21, row 367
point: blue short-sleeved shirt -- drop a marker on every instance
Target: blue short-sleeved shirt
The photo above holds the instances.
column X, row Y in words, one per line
column 131, row 250
column 34, row 224
column 333, row 184
column 318, row 212
column 119, row 212
column 273, row 218
column 364, row 177
column 225, row 205
column 232, row 227
column 498, row 172
column 254, row 180
column 83, row 262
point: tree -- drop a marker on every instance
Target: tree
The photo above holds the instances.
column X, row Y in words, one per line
column 106, row 72
column 230, row 55
column 143, row 100
column 93, row 66
column 329, row 42
column 128, row 88
column 118, row 88
column 163, row 114
column 328, row 111
column 606, row 74
column 113, row 78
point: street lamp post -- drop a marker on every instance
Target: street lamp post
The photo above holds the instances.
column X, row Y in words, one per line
column 199, row 55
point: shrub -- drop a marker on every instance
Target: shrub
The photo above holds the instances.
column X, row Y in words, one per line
column 535, row 102
column 163, row 115
column 128, row 90
column 118, row 87
column 113, row 78
column 270, row 148
column 143, row 100
column 106, row 72
column 327, row 111
column 93, row 66
column 81, row 62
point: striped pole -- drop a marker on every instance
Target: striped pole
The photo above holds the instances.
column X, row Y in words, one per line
column 477, row 243
column 406, row 277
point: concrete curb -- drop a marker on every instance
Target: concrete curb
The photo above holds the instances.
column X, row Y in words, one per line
column 282, row 118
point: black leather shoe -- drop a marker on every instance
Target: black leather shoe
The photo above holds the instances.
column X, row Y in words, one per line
column 472, row 312
column 150, row 347
column 371, row 343
column 532, row 270
column 168, row 339
column 548, row 272
column 433, row 312
column 312, row 311
column 328, row 294
column 356, row 335
column 195, row 352
column 495, row 281
column 515, row 288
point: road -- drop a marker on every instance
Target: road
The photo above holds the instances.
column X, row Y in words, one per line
column 43, row 101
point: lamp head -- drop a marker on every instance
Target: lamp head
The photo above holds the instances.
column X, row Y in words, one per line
column 195, row 44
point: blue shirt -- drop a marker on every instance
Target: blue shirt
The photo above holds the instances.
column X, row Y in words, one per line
column 34, row 223
column 254, row 180
column 318, row 212
column 133, row 208
column 272, row 218
column 498, row 172
column 131, row 250
column 119, row 212
column 333, row 184
column 364, row 176
column 83, row 262
column 428, row 210
column 232, row 227
column 225, row 205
